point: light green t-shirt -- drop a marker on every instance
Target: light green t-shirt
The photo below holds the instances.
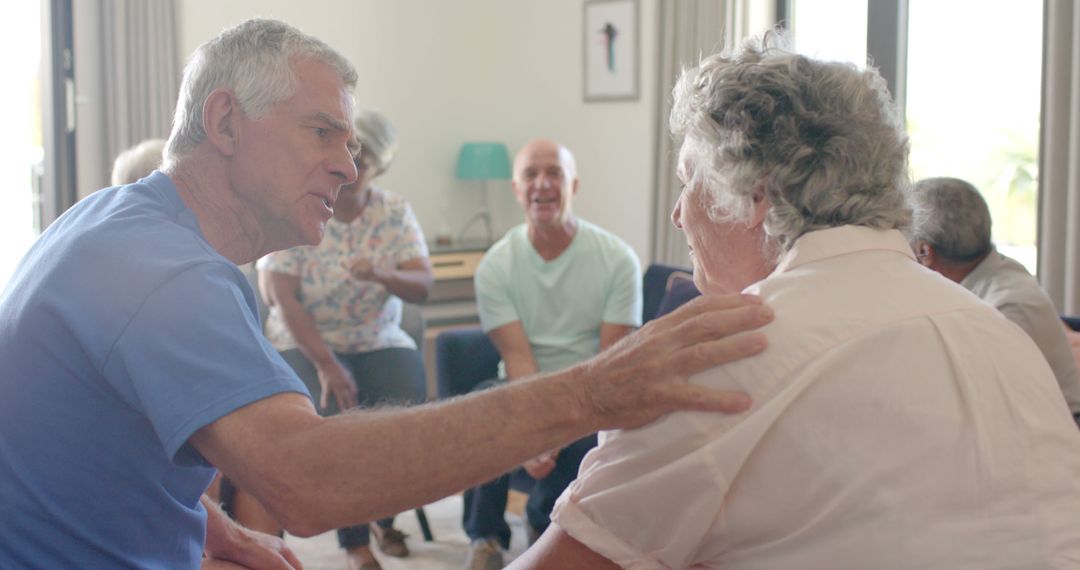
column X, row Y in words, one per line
column 560, row 303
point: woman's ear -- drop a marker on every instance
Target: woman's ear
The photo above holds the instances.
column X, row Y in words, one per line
column 220, row 117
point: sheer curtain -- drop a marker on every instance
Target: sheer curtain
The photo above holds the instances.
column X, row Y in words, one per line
column 1059, row 170
column 127, row 79
column 689, row 29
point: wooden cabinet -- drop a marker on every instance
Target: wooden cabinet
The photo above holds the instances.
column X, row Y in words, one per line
column 455, row 264
column 453, row 298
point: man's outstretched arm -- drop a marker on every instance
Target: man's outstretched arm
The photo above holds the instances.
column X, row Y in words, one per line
column 307, row 470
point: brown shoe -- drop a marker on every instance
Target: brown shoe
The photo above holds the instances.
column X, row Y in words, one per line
column 484, row 554
column 391, row 541
column 361, row 558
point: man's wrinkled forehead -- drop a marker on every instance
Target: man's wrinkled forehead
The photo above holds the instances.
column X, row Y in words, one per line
column 538, row 155
column 533, row 157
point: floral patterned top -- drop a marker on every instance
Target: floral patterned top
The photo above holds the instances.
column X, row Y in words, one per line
column 352, row 316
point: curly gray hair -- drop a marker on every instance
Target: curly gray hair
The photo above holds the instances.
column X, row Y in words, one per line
column 951, row 216
column 377, row 136
column 254, row 59
column 823, row 138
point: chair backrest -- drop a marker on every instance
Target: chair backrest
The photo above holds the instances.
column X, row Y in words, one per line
column 654, row 287
column 1072, row 322
column 464, row 358
column 680, row 289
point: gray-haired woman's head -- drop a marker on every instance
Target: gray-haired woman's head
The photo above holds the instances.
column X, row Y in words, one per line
column 378, row 138
column 822, row 139
column 137, row 162
column 253, row 59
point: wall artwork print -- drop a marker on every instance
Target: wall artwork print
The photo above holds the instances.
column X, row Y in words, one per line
column 611, row 50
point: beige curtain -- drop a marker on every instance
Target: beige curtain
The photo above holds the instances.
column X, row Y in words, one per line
column 141, row 70
column 1059, row 167
column 689, row 29
column 127, row 78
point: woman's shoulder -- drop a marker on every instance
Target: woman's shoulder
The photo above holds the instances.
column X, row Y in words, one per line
column 388, row 198
column 389, row 204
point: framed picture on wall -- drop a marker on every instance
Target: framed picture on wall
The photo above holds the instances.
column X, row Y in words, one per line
column 610, row 37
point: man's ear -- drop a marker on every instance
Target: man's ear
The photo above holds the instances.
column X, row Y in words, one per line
column 574, row 186
column 519, row 192
column 220, row 117
column 924, row 253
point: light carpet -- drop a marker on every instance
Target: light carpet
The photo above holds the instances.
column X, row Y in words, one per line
column 447, row 552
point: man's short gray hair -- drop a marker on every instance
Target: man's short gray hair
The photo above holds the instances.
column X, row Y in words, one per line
column 951, row 216
column 824, row 139
column 255, row 60
column 377, row 136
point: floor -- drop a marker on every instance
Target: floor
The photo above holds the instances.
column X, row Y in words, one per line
column 446, row 552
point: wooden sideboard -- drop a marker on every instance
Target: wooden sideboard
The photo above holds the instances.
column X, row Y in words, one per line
column 453, row 299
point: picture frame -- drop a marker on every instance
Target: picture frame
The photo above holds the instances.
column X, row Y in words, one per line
column 611, row 40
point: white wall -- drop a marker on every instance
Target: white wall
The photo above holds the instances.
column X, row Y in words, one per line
column 503, row 70
column 539, row 87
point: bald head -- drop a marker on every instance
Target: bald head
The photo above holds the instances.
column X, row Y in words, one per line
column 546, row 148
column 545, row 181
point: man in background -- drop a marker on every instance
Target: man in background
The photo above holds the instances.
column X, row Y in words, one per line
column 951, row 235
column 551, row 293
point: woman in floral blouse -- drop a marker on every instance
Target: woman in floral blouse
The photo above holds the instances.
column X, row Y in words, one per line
column 335, row 308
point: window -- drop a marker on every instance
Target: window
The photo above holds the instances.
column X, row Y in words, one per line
column 22, row 134
column 830, row 29
column 971, row 91
column 973, row 100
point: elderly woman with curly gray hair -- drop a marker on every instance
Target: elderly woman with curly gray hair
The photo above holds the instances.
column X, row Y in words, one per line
column 336, row 308
column 897, row 422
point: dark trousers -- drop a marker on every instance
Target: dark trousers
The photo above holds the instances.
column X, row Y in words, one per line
column 387, row 376
column 485, row 506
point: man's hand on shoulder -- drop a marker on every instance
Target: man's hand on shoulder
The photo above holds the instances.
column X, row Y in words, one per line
column 644, row 376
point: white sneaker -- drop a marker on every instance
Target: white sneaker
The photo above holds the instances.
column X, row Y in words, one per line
column 484, row 554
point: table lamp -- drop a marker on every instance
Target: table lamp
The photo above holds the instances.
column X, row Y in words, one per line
column 482, row 161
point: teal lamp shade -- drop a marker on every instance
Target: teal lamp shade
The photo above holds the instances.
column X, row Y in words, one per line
column 483, row 161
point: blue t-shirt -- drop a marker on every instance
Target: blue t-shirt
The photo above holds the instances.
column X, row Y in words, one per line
column 122, row 332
